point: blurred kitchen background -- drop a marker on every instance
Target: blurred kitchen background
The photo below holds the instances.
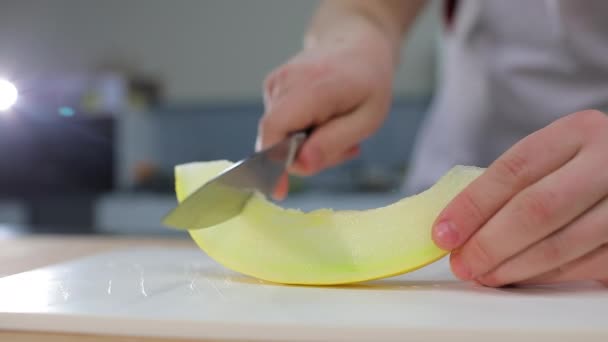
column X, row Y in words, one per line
column 114, row 93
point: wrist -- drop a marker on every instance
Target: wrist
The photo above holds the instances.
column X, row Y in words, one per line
column 357, row 32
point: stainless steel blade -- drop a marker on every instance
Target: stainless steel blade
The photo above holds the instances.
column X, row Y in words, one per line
column 226, row 195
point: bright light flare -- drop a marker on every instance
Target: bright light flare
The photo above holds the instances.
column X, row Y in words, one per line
column 8, row 95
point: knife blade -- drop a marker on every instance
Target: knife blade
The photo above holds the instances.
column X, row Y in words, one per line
column 225, row 195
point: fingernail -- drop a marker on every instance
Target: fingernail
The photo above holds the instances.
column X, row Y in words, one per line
column 258, row 143
column 459, row 268
column 446, row 235
column 282, row 188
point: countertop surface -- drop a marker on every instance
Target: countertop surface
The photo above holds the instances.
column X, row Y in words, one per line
column 102, row 288
column 25, row 253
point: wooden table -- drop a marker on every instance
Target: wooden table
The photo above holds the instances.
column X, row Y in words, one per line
column 21, row 254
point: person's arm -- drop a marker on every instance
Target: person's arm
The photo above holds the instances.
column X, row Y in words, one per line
column 338, row 20
column 340, row 84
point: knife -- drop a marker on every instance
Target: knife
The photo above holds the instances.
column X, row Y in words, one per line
column 225, row 195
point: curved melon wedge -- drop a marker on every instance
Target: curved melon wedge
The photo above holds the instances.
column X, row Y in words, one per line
column 324, row 247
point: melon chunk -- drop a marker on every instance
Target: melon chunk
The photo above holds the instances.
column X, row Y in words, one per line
column 324, row 247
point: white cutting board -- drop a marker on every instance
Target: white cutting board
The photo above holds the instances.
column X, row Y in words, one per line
column 182, row 293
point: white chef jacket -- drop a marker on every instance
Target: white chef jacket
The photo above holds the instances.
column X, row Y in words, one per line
column 509, row 68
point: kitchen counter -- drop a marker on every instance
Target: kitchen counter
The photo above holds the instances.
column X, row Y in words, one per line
column 20, row 254
column 167, row 289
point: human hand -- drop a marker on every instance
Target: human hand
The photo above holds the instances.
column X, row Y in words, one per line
column 342, row 90
column 539, row 213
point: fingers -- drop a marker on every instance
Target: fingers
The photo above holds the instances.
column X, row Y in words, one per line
column 349, row 154
column 524, row 164
column 306, row 103
column 590, row 267
column 533, row 214
column 334, row 142
column 314, row 106
column 578, row 239
column 282, row 188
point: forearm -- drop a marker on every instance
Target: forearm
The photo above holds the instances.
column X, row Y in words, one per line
column 340, row 20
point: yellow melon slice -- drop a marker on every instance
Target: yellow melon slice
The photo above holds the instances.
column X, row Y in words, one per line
column 324, row 247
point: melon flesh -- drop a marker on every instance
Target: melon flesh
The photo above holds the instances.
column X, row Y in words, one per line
column 324, row 247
